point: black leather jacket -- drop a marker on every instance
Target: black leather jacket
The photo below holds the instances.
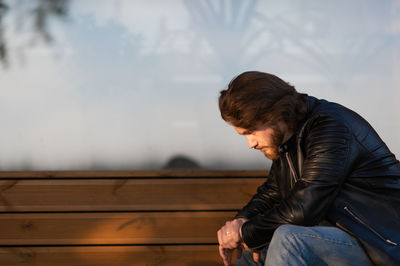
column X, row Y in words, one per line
column 334, row 168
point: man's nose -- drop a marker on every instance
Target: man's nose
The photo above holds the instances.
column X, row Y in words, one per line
column 251, row 142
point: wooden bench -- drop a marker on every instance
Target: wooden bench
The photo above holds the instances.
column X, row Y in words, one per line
column 167, row 217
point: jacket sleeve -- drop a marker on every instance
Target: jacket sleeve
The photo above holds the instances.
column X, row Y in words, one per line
column 266, row 197
column 326, row 164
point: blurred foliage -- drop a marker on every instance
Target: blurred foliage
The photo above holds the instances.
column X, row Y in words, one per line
column 35, row 16
column 3, row 10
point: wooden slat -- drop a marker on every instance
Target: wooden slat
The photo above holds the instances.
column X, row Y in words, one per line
column 132, row 174
column 111, row 256
column 126, row 195
column 111, row 228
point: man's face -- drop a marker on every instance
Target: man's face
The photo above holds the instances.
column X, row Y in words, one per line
column 266, row 139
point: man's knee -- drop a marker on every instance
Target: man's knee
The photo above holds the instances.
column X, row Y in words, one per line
column 284, row 232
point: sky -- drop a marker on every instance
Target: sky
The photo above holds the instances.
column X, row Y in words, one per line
column 131, row 84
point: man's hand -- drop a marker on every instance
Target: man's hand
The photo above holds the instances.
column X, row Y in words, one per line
column 226, row 255
column 229, row 238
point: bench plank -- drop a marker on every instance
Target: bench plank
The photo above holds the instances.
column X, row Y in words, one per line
column 111, row 228
column 166, row 217
column 132, row 174
column 126, row 194
column 198, row 255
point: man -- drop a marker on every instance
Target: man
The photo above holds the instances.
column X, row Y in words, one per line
column 332, row 196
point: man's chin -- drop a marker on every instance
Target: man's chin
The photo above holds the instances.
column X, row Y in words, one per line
column 271, row 156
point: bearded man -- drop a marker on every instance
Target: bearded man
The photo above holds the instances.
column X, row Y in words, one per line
column 332, row 196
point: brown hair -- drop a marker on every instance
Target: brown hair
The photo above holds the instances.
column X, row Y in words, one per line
column 256, row 98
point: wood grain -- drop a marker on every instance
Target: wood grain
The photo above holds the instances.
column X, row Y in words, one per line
column 167, row 217
column 111, row 228
column 133, row 174
column 126, row 194
column 198, row 255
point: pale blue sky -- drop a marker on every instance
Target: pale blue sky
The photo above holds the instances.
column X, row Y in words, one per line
column 128, row 84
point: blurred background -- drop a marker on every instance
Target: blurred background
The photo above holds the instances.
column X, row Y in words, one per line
column 133, row 85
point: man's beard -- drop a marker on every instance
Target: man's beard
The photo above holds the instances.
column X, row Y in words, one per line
column 272, row 152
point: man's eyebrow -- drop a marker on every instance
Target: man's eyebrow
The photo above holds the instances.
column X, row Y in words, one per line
column 246, row 132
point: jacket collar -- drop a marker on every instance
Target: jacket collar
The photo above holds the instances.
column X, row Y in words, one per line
column 291, row 142
column 312, row 104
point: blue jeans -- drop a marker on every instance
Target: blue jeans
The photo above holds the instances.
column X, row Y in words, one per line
column 317, row 245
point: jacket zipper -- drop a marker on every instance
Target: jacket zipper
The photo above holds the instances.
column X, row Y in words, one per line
column 369, row 227
column 291, row 167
